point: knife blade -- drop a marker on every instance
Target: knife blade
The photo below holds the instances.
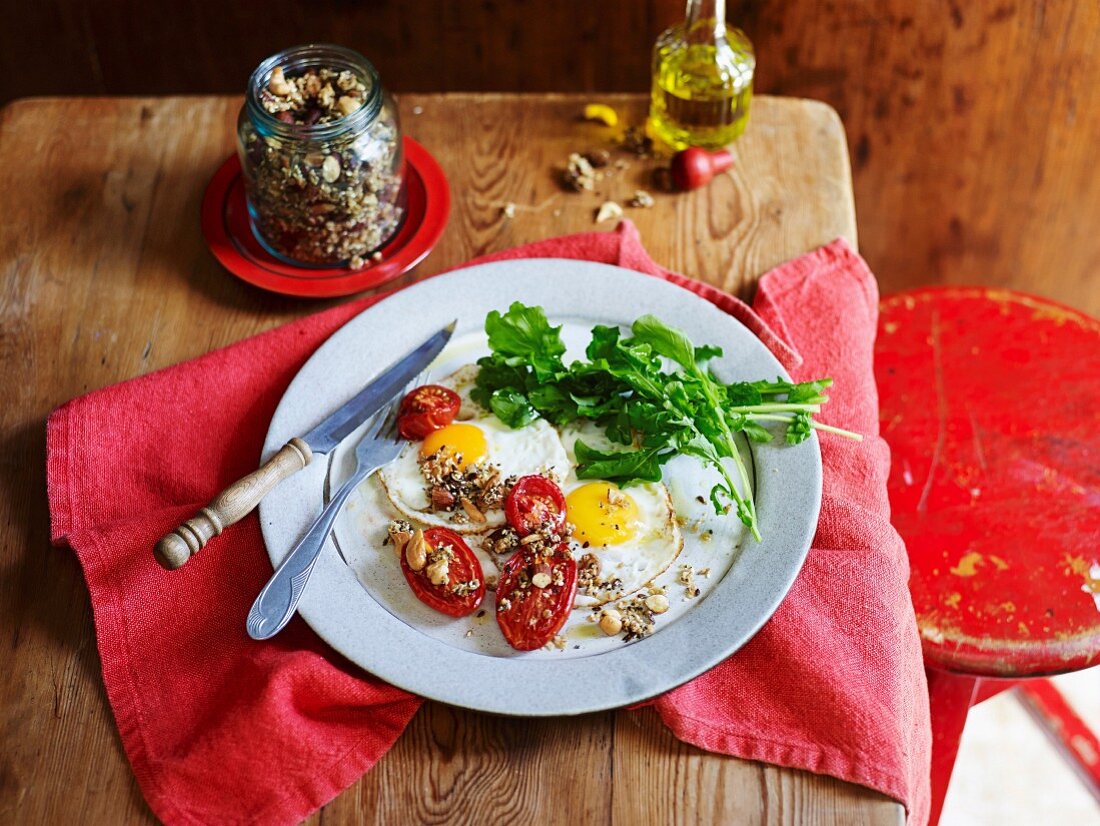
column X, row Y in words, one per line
column 235, row 502
column 368, row 401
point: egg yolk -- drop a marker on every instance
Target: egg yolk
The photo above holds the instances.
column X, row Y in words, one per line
column 465, row 440
column 601, row 514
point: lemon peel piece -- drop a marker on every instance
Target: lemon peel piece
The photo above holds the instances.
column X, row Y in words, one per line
column 601, row 112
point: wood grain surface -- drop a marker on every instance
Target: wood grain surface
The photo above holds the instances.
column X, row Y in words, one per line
column 972, row 126
column 104, row 276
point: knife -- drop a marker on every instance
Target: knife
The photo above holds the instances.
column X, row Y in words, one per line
column 238, row 500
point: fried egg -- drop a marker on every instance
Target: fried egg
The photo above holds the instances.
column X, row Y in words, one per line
column 476, row 438
column 632, row 531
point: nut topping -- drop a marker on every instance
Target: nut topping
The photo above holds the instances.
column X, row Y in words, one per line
column 416, row 551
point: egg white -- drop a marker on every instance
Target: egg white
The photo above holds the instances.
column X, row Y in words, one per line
column 656, row 540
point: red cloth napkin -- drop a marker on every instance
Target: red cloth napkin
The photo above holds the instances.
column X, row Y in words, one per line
column 222, row 729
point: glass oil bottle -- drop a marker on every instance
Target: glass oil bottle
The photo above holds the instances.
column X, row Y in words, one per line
column 702, row 80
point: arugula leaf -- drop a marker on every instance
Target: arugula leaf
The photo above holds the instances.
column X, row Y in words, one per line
column 665, row 341
column 512, row 408
column 524, row 336
column 707, row 352
column 623, row 466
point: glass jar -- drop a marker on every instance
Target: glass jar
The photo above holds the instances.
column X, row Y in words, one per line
column 702, row 79
column 321, row 150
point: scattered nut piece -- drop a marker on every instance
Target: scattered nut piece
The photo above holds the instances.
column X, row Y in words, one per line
column 657, row 603
column 441, row 498
column 509, row 210
column 399, row 534
column 348, row 105
column 277, row 83
column 609, row 210
column 641, row 199
column 470, row 633
column 611, row 622
column 438, row 572
column 579, row 174
column 376, row 256
column 418, row 110
column 541, row 579
column 330, row 169
column 472, row 511
column 356, row 262
column 558, row 641
column 416, row 551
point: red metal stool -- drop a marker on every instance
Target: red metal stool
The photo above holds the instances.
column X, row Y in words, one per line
column 990, row 401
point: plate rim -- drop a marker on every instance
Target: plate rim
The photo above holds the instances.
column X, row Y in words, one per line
column 629, row 676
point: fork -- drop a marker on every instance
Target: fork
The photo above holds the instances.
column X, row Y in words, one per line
column 278, row 600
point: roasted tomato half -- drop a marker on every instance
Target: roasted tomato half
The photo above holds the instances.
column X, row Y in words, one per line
column 450, row 579
column 534, row 501
column 426, row 409
column 534, row 597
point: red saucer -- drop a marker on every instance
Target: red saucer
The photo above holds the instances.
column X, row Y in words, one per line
column 228, row 233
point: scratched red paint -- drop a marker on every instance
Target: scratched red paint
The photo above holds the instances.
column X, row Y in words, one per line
column 990, row 401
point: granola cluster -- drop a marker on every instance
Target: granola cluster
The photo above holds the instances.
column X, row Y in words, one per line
column 467, row 492
column 324, row 201
column 591, row 584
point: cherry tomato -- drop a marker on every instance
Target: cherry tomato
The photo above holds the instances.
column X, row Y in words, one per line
column 426, row 409
column 462, row 569
column 532, row 502
column 530, row 616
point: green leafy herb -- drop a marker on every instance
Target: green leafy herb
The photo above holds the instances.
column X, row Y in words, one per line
column 627, row 388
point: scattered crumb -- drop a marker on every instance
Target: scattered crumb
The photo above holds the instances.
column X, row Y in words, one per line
column 609, row 211
column 509, row 210
column 418, row 110
column 470, row 633
column 641, row 199
column 687, row 579
column 597, row 158
column 637, row 142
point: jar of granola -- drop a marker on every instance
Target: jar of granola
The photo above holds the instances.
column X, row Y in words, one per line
column 320, row 146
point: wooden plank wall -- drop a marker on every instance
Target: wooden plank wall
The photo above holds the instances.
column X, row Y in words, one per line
column 972, row 126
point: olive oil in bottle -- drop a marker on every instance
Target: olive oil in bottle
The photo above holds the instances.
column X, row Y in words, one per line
column 702, row 80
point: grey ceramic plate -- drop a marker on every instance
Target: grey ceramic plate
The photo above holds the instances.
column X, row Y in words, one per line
column 419, row 652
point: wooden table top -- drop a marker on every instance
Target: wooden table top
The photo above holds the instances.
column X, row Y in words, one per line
column 105, row 276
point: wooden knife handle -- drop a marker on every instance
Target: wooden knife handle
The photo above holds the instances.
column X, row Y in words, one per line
column 231, row 505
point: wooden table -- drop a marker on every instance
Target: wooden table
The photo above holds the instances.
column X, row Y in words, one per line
column 105, row 276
